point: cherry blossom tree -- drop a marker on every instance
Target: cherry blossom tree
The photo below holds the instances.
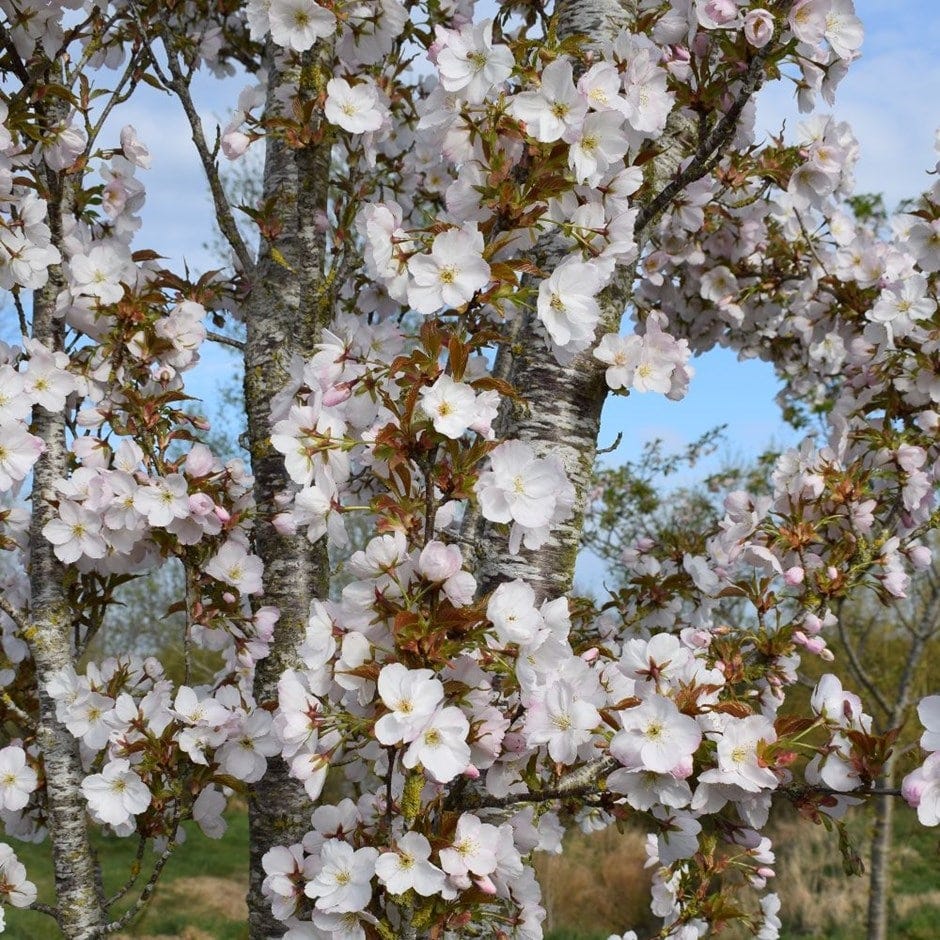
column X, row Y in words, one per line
column 472, row 227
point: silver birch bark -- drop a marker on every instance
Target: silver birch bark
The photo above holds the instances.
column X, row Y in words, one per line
column 562, row 404
column 50, row 636
column 284, row 314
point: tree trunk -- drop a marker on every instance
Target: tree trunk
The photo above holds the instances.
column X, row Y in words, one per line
column 80, row 906
column 879, row 876
column 561, row 411
column 284, row 316
column 562, row 408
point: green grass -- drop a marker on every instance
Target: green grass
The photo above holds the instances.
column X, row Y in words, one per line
column 169, row 912
column 914, row 907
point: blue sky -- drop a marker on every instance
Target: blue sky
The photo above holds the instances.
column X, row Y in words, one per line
column 891, row 96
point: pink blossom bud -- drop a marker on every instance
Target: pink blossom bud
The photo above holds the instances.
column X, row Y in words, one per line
column 812, row 624
column 644, row 544
column 485, row 884
column 590, row 655
column 234, row 144
column 758, row 28
column 815, row 644
column 200, row 424
column 284, row 524
column 221, row 514
column 765, row 872
column 832, row 572
column 700, row 639
column 913, row 789
column 199, row 461
column 200, row 504
column 827, row 655
column 336, row 395
column 471, row 773
column 436, row 47
column 229, row 597
column 794, row 576
column 514, row 742
column 438, row 561
column 680, row 54
column 460, row 588
column 920, row 557
column 321, row 220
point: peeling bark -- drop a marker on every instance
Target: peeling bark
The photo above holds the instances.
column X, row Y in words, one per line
column 284, row 314
column 562, row 405
column 77, row 875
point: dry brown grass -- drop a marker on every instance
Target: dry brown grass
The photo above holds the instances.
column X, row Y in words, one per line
column 599, row 883
column 815, row 892
column 221, row 897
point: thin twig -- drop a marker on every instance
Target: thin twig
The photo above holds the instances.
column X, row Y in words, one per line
column 116, row 98
column 132, row 879
column 14, row 613
column 25, row 718
column 20, row 313
column 223, row 211
column 147, row 893
column 710, row 145
column 224, row 340
column 22, row 73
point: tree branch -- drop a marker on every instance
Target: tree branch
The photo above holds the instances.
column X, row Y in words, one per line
column 22, row 73
column 147, row 893
column 225, row 340
column 14, row 613
column 579, row 782
column 223, row 211
column 858, row 670
column 710, row 145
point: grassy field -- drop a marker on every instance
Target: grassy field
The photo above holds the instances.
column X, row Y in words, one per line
column 201, row 895
column 597, row 888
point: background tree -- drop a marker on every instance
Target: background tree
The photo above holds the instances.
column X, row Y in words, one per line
column 885, row 651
